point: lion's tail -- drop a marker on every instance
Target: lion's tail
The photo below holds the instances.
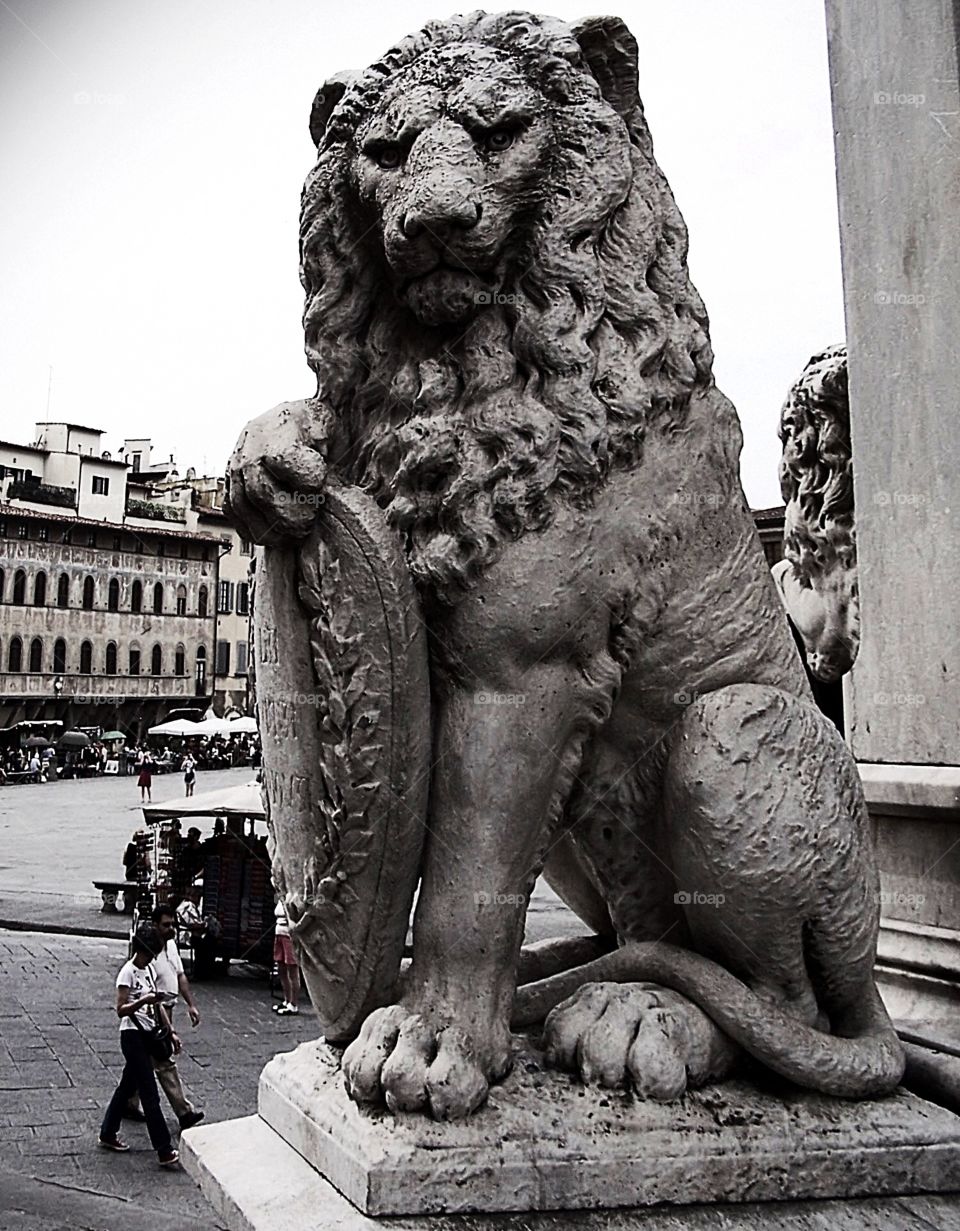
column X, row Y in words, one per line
column 869, row 1064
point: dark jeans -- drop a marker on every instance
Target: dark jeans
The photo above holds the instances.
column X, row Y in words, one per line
column 137, row 1078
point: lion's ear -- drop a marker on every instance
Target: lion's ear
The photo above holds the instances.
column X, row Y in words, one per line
column 610, row 52
column 327, row 98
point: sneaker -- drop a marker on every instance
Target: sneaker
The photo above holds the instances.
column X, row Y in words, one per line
column 168, row 1158
column 287, row 1010
column 190, row 1119
column 112, row 1143
column 278, row 1008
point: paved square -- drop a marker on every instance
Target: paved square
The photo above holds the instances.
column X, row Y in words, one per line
column 60, row 1060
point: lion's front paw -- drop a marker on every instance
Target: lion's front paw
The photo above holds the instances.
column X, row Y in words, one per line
column 402, row 1059
column 619, row 1034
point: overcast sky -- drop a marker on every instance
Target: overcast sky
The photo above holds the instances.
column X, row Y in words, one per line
column 152, row 153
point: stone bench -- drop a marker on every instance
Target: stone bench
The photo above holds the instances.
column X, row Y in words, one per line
column 19, row 775
column 111, row 890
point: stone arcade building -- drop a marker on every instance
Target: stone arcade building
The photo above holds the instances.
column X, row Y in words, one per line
column 105, row 621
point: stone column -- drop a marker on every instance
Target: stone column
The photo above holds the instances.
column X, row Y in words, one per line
column 896, row 110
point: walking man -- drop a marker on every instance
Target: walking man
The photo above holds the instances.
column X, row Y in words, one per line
column 172, row 983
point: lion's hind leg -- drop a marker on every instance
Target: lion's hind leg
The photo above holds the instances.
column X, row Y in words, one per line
column 640, row 1035
column 770, row 845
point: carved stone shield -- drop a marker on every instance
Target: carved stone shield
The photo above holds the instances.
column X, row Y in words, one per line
column 343, row 703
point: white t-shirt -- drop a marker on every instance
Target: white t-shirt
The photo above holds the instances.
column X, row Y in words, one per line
column 281, row 923
column 167, row 968
column 139, row 982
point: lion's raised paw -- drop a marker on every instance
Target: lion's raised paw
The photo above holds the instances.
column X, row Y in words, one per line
column 636, row 1035
column 411, row 1064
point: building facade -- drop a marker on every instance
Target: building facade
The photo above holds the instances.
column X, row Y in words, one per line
column 203, row 496
column 106, row 620
column 769, row 523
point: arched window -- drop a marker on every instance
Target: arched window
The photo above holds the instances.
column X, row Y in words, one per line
column 133, row 662
column 15, row 655
column 202, row 602
column 201, row 676
column 20, row 587
column 180, row 661
column 113, row 595
column 110, row 658
column 86, row 658
column 158, row 598
column 156, row 661
column 88, row 594
column 63, row 590
column 136, row 597
column 60, row 656
column 181, row 600
column 36, row 656
column 40, row 590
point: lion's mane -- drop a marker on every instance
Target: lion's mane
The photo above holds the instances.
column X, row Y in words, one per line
column 816, row 473
column 467, row 438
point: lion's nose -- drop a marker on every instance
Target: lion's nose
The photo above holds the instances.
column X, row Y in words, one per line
column 448, row 211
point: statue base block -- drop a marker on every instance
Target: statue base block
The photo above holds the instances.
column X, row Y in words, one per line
column 543, row 1142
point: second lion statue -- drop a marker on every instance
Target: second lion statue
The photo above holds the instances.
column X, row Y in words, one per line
column 515, row 409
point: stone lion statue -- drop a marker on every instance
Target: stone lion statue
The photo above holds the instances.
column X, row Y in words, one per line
column 515, row 412
column 817, row 578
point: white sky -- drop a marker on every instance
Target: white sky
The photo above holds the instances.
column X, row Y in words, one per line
column 152, row 153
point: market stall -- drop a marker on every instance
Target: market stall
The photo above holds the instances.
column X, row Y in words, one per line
column 232, row 866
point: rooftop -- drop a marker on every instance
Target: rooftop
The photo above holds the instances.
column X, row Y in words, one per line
column 161, row 528
column 76, row 427
column 9, row 444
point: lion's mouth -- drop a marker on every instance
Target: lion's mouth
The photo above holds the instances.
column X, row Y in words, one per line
column 446, row 293
column 449, row 267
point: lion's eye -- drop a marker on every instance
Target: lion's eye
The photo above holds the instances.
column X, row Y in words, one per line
column 388, row 156
column 499, row 139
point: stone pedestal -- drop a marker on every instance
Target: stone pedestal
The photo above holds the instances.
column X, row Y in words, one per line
column 896, row 107
column 543, row 1142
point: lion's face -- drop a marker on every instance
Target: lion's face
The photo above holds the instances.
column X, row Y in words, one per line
column 451, row 163
column 497, row 298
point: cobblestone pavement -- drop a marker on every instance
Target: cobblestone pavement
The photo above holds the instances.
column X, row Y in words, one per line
column 60, row 1060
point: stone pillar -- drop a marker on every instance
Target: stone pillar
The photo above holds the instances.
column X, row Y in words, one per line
column 896, row 110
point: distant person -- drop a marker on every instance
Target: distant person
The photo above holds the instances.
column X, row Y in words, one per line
column 167, row 970
column 139, row 1007
column 145, row 781
column 189, row 768
column 287, row 963
column 131, row 860
column 34, row 766
column 192, row 857
column 203, row 933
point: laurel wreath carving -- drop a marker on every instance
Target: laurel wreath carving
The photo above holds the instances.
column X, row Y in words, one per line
column 348, row 728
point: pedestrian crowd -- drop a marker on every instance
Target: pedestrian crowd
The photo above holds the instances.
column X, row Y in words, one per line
column 44, row 763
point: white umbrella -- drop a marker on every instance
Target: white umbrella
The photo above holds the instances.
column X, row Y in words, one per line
column 243, row 726
column 212, row 725
column 177, row 726
column 243, row 800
